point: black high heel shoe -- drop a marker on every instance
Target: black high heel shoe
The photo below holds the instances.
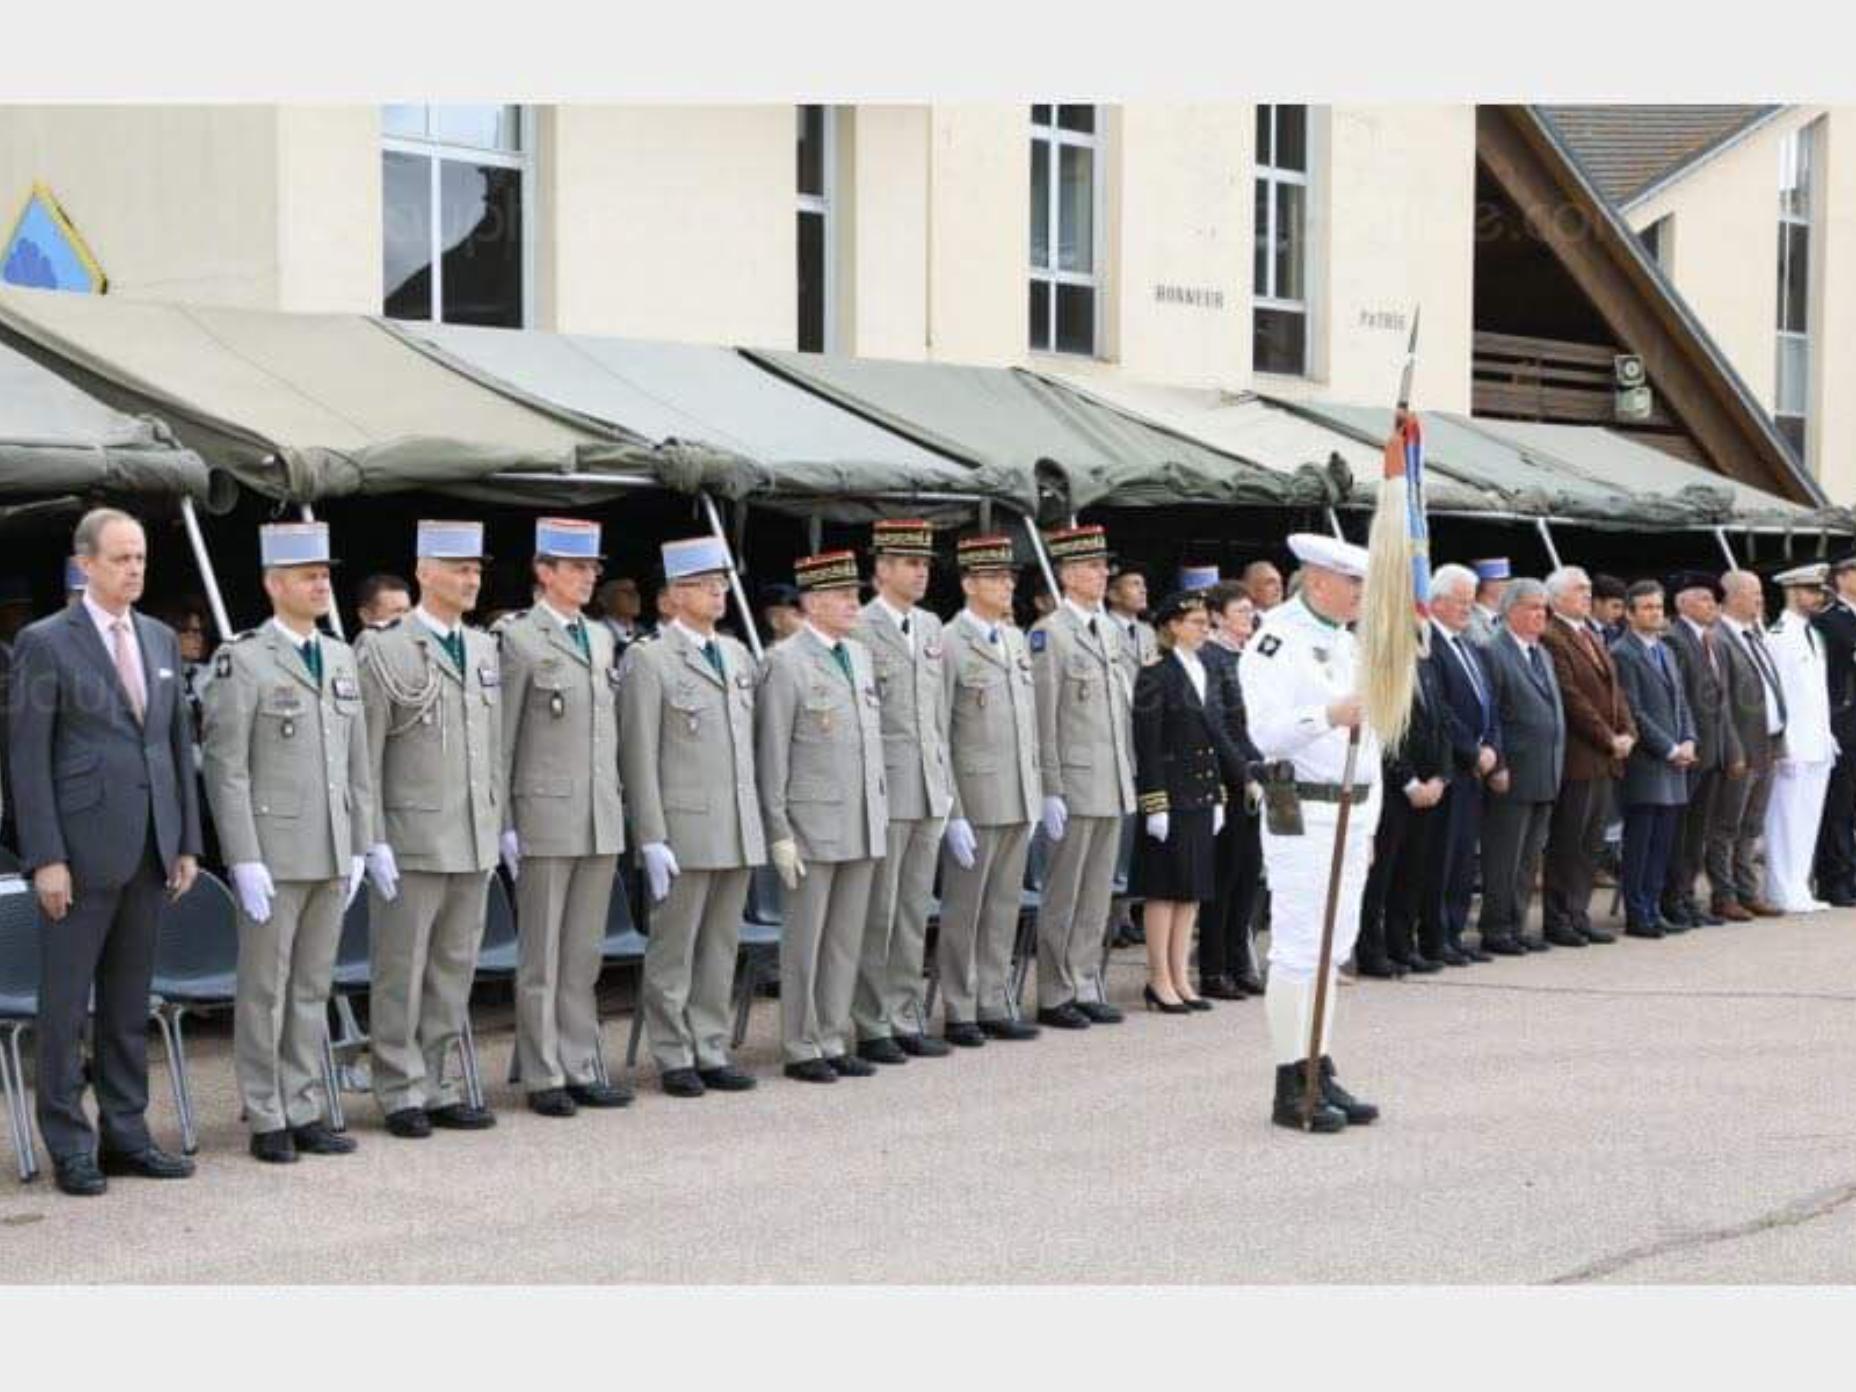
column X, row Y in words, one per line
column 1198, row 1003
column 1152, row 997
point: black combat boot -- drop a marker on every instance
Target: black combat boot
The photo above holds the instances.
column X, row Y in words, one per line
column 1288, row 1109
column 1358, row 1113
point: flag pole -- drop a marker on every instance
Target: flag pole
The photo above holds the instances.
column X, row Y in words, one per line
column 1311, row 1071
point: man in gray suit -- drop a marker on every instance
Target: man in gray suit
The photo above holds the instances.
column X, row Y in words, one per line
column 1697, row 641
column 686, row 739
column 1656, row 774
column 287, row 777
column 431, row 686
column 993, row 733
column 1085, row 750
column 1519, row 808
column 905, row 645
column 819, row 744
column 109, row 815
column 1756, row 705
column 563, row 824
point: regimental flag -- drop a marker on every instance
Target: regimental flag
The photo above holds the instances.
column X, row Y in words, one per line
column 1394, row 632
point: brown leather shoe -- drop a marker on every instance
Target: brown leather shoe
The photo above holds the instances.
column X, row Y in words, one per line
column 1759, row 908
column 1731, row 911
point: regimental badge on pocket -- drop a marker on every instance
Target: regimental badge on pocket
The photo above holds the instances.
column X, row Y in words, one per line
column 345, row 688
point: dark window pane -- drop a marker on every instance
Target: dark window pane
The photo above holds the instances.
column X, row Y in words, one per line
column 1792, row 397
column 1290, row 199
column 812, row 150
column 480, row 212
column 1265, row 118
column 811, row 283
column 1279, row 341
column 1652, row 237
column 1077, row 118
column 1040, row 315
column 1260, row 265
column 1076, row 319
column 1292, row 138
column 1794, row 276
column 1792, row 428
column 406, row 207
column 1040, row 115
column 1040, row 203
column 1076, row 209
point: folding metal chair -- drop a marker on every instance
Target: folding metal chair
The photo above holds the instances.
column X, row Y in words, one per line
column 196, row 970
column 496, row 961
column 19, row 1006
column 757, row 958
column 1025, row 945
column 353, row 976
column 624, row 947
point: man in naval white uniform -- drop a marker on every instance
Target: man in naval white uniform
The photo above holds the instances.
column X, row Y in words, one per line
column 1301, row 691
column 1802, row 775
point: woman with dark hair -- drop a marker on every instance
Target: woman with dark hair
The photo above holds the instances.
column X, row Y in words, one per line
column 1183, row 758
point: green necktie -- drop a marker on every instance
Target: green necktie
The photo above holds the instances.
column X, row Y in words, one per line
column 312, row 659
column 844, row 662
column 454, row 648
column 577, row 631
column 714, row 654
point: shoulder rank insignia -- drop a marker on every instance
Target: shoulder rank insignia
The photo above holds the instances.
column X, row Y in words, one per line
column 1039, row 638
column 1268, row 646
column 222, row 664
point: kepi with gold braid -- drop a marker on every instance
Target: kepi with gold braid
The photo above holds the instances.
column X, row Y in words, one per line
column 902, row 537
column 829, row 570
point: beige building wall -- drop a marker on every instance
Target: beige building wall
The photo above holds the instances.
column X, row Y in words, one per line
column 979, row 234
column 881, row 209
column 1833, row 405
column 329, row 227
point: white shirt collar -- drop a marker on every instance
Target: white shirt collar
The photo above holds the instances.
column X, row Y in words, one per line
column 979, row 625
column 1522, row 643
column 689, row 632
column 1695, row 627
column 103, row 619
column 295, row 640
column 559, row 617
column 900, row 616
column 1649, row 640
column 1084, row 614
column 424, row 616
column 828, row 642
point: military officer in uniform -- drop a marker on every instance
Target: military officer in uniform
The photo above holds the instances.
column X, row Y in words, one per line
column 686, row 738
column 1300, row 683
column 562, row 823
column 1126, row 601
column 287, row 778
column 818, row 741
column 432, row 690
column 905, row 644
column 1492, row 576
column 1085, row 753
column 993, row 734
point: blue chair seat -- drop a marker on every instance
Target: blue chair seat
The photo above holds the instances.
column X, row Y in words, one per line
column 498, row 954
column 626, row 946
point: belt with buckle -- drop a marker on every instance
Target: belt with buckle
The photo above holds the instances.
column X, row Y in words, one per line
column 1330, row 792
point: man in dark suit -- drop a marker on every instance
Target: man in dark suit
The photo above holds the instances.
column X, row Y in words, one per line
column 109, row 816
column 1473, row 726
column 1756, row 705
column 1656, row 775
column 1696, row 639
column 1599, row 736
column 1836, row 837
column 1514, row 831
column 1417, row 777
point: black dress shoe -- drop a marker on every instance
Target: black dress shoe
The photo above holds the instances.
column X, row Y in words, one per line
column 150, row 1162
column 1503, row 947
column 1358, row 1113
column 1674, row 911
column 1845, row 900
column 1379, row 968
column 1669, row 925
column 1453, row 957
column 1100, row 1012
column 409, row 1123
column 1707, row 918
column 1535, row 944
column 1638, row 929
column 727, row 1078
column 78, row 1176
column 1565, row 937
column 1220, row 988
column 1597, row 935
column 1251, row 983
column 461, row 1116
column 850, row 1066
column 1424, row 966
column 922, row 1046
column 964, row 1034
column 812, row 1071
column 315, row 1138
column 1065, row 1016
column 600, row 1094
column 552, row 1102
column 1009, row 1029
column 274, row 1147
column 881, row 1051
column 682, row 1082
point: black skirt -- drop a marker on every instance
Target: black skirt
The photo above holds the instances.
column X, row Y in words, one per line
column 1183, row 868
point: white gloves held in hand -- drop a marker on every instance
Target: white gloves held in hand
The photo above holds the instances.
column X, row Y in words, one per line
column 1158, row 825
column 1056, row 817
column 383, row 870
column 960, row 842
column 1217, row 818
column 512, row 853
column 786, row 860
column 660, row 868
column 251, row 881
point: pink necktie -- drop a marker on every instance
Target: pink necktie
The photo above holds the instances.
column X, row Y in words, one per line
column 127, row 669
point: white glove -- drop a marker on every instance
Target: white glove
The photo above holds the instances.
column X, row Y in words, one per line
column 1056, row 818
column 357, row 871
column 252, row 882
column 786, row 860
column 1158, row 825
column 512, row 853
column 960, row 842
column 660, row 868
column 382, row 870
column 1217, row 818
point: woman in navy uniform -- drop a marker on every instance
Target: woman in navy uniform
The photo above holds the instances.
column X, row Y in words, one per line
column 1183, row 758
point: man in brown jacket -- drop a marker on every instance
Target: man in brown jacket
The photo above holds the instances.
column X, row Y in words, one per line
column 1599, row 735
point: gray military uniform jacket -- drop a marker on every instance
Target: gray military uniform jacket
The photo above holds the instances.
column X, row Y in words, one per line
column 686, row 744
column 560, row 737
column 286, row 766
column 993, row 727
column 1139, row 649
column 434, row 738
column 1085, row 722
column 914, row 711
column 819, row 744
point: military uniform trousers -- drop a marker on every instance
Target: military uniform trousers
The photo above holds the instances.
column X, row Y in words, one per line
column 689, row 968
column 561, row 905
column 1079, row 884
column 979, row 920
column 282, row 1012
column 890, row 995
column 423, row 957
column 824, row 929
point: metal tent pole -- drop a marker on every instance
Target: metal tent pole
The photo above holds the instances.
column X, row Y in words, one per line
column 1334, row 525
column 1037, row 549
column 734, row 577
column 214, row 599
column 1546, row 538
column 1720, row 535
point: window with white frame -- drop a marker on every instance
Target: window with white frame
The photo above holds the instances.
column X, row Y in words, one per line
column 1066, row 186
column 1791, row 400
column 455, row 198
column 1279, row 268
column 1659, row 239
column 816, row 161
